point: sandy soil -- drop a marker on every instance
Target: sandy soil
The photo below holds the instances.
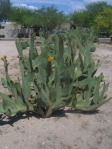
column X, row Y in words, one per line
column 65, row 129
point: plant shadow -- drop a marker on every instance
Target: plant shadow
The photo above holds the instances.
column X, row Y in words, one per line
column 81, row 112
column 4, row 120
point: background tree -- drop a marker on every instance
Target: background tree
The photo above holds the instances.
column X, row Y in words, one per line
column 46, row 18
column 103, row 21
column 5, row 6
column 94, row 9
column 80, row 18
column 49, row 18
column 21, row 15
column 85, row 18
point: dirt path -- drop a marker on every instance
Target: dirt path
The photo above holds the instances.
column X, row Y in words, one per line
column 64, row 130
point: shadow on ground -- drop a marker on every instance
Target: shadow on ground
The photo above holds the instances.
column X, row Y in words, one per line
column 4, row 120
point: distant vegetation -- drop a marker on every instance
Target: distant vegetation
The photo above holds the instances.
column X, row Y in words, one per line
column 45, row 19
column 5, row 6
column 96, row 16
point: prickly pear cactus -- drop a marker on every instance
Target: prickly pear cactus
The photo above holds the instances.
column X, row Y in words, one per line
column 63, row 74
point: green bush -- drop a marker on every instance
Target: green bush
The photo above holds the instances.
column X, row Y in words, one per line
column 103, row 22
column 62, row 75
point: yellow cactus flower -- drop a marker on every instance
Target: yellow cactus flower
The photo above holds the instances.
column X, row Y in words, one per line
column 3, row 58
column 50, row 58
